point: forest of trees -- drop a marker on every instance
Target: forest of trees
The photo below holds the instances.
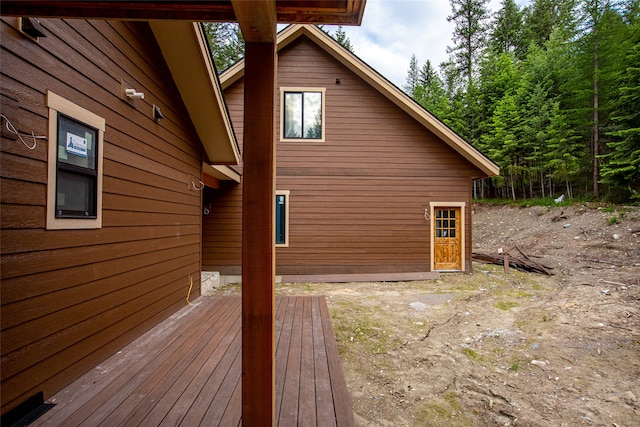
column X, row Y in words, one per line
column 550, row 92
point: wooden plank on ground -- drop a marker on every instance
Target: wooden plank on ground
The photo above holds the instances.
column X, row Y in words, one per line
column 324, row 401
column 291, row 391
column 341, row 400
column 285, row 323
column 188, row 371
column 76, row 402
column 161, row 400
column 307, row 393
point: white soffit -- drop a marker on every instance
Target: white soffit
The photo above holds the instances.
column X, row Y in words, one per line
column 185, row 51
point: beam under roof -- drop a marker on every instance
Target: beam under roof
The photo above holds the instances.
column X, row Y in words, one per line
column 342, row 12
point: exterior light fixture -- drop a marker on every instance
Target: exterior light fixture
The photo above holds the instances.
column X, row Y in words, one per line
column 132, row 94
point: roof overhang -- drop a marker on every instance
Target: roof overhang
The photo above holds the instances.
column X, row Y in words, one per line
column 343, row 12
column 223, row 173
column 185, row 51
column 384, row 86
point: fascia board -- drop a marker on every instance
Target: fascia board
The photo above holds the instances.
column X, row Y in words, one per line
column 184, row 48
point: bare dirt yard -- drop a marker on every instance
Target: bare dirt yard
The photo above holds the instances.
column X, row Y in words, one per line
column 503, row 349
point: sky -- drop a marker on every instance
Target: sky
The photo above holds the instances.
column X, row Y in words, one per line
column 394, row 30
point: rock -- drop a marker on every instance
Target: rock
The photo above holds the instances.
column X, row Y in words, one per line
column 630, row 398
column 566, row 225
column 417, row 305
column 616, row 236
column 538, row 363
column 209, row 282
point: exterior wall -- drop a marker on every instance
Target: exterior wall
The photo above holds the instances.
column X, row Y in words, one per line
column 70, row 298
column 358, row 200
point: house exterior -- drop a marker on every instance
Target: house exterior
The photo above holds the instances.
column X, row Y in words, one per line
column 368, row 183
column 102, row 203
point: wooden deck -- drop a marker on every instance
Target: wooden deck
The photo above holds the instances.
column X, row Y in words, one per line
column 187, row 370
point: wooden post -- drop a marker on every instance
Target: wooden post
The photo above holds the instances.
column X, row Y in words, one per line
column 258, row 237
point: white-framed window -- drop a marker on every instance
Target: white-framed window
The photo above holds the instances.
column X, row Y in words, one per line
column 302, row 114
column 282, row 218
column 74, row 186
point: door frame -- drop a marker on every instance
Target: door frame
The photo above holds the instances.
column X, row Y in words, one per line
column 463, row 231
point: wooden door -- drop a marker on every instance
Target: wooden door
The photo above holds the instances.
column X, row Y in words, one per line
column 447, row 238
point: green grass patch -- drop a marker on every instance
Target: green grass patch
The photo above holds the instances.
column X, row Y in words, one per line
column 506, row 305
column 471, row 353
column 361, row 331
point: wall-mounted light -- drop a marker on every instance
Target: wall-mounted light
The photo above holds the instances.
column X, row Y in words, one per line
column 157, row 114
column 337, row 80
column 133, row 94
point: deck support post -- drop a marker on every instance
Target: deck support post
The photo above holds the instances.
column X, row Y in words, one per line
column 258, row 237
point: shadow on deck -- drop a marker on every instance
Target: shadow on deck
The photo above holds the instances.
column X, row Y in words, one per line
column 187, row 370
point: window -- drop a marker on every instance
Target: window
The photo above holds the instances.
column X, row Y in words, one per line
column 302, row 114
column 282, row 218
column 445, row 222
column 74, row 194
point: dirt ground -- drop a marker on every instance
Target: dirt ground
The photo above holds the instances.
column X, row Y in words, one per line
column 497, row 349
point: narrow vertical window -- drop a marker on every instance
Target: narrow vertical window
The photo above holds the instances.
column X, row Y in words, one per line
column 282, row 218
column 302, row 114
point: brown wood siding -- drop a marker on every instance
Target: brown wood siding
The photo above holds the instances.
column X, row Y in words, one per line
column 357, row 200
column 70, row 298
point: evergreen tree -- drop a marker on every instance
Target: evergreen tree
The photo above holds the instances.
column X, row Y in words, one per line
column 411, row 84
column 621, row 166
column 507, row 30
column 431, row 91
column 454, row 93
column 226, row 43
column 469, row 35
column 341, row 37
column 543, row 17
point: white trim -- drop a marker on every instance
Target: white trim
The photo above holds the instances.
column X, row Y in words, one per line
column 287, row 199
column 461, row 205
column 58, row 104
column 184, row 48
column 323, row 91
column 221, row 172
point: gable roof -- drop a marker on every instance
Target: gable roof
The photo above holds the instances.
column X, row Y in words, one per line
column 185, row 51
column 382, row 85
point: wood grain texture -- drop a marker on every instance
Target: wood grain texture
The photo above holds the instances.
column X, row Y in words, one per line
column 258, row 241
column 186, row 371
column 71, row 297
column 357, row 201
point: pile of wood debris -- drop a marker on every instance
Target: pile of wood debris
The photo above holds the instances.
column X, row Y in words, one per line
column 513, row 258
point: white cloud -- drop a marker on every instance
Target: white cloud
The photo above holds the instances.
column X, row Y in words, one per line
column 393, row 30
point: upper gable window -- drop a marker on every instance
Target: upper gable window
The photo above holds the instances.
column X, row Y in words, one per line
column 302, row 114
column 74, row 196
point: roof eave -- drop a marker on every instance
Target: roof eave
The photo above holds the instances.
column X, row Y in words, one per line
column 185, row 51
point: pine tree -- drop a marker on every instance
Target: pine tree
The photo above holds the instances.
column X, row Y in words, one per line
column 507, row 30
column 431, row 93
column 621, row 166
column 226, row 43
column 469, row 35
column 411, row 84
column 543, row 17
column 341, row 37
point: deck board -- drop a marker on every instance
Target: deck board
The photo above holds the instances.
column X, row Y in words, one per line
column 187, row 371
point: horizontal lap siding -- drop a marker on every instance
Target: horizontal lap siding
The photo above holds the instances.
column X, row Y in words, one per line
column 357, row 200
column 72, row 297
column 222, row 227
